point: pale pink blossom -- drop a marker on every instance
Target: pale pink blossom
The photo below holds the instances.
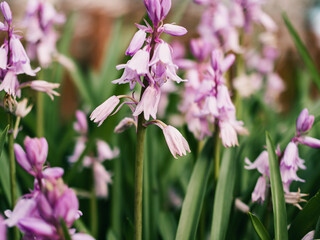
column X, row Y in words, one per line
column 148, row 103
column 104, row 110
column 46, row 87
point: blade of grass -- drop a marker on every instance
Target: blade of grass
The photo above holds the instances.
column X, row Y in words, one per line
column 3, row 136
column 279, row 206
column 223, row 196
column 4, row 176
column 65, row 230
column 306, row 219
column 303, row 51
column 259, row 228
column 317, row 231
column 192, row 204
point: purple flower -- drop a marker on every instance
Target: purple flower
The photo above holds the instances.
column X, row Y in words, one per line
column 24, row 208
column 3, row 229
column 41, row 36
column 259, row 190
column 134, row 69
column 10, row 83
column 101, row 178
column 36, row 154
column 157, row 10
column 124, row 124
column 43, row 86
column 136, row 42
column 261, row 163
column 81, row 125
column 6, row 11
column 174, row 30
column 162, row 65
column 309, row 141
column 176, row 142
column 304, row 121
column 105, row 152
column 104, row 110
column 148, row 103
column 289, row 165
column 22, row 110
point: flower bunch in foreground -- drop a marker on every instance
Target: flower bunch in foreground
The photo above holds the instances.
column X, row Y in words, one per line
column 289, row 159
column 39, row 214
column 151, row 66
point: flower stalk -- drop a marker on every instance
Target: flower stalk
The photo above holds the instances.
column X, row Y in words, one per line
column 216, row 146
column 40, row 115
column 139, row 178
column 12, row 162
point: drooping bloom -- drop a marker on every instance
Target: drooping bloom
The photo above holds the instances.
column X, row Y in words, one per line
column 104, row 110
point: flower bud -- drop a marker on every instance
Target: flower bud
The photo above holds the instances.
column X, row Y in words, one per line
column 6, row 11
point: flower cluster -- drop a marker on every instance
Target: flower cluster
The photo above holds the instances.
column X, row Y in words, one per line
column 40, row 213
column 290, row 162
column 151, row 66
column 207, row 100
column 101, row 176
column 39, row 21
column 14, row 61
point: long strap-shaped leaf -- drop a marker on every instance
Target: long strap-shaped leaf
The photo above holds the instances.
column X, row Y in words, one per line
column 279, row 206
column 223, row 196
column 307, row 219
column 192, row 204
column 259, row 228
column 3, row 136
column 303, row 52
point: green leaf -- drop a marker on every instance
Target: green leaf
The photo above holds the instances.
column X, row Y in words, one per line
column 65, row 229
column 303, row 51
column 111, row 235
column 3, row 136
column 223, row 196
column 317, row 231
column 192, row 204
column 259, row 228
column 167, row 225
column 4, row 176
column 306, row 219
column 81, row 227
column 279, row 206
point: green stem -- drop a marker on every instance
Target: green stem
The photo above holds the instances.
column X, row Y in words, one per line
column 40, row 115
column 12, row 161
column 216, row 145
column 93, row 209
column 139, row 178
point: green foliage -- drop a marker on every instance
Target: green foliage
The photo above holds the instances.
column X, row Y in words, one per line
column 259, row 228
column 306, row 219
column 313, row 71
column 279, row 206
column 223, row 197
column 193, row 201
